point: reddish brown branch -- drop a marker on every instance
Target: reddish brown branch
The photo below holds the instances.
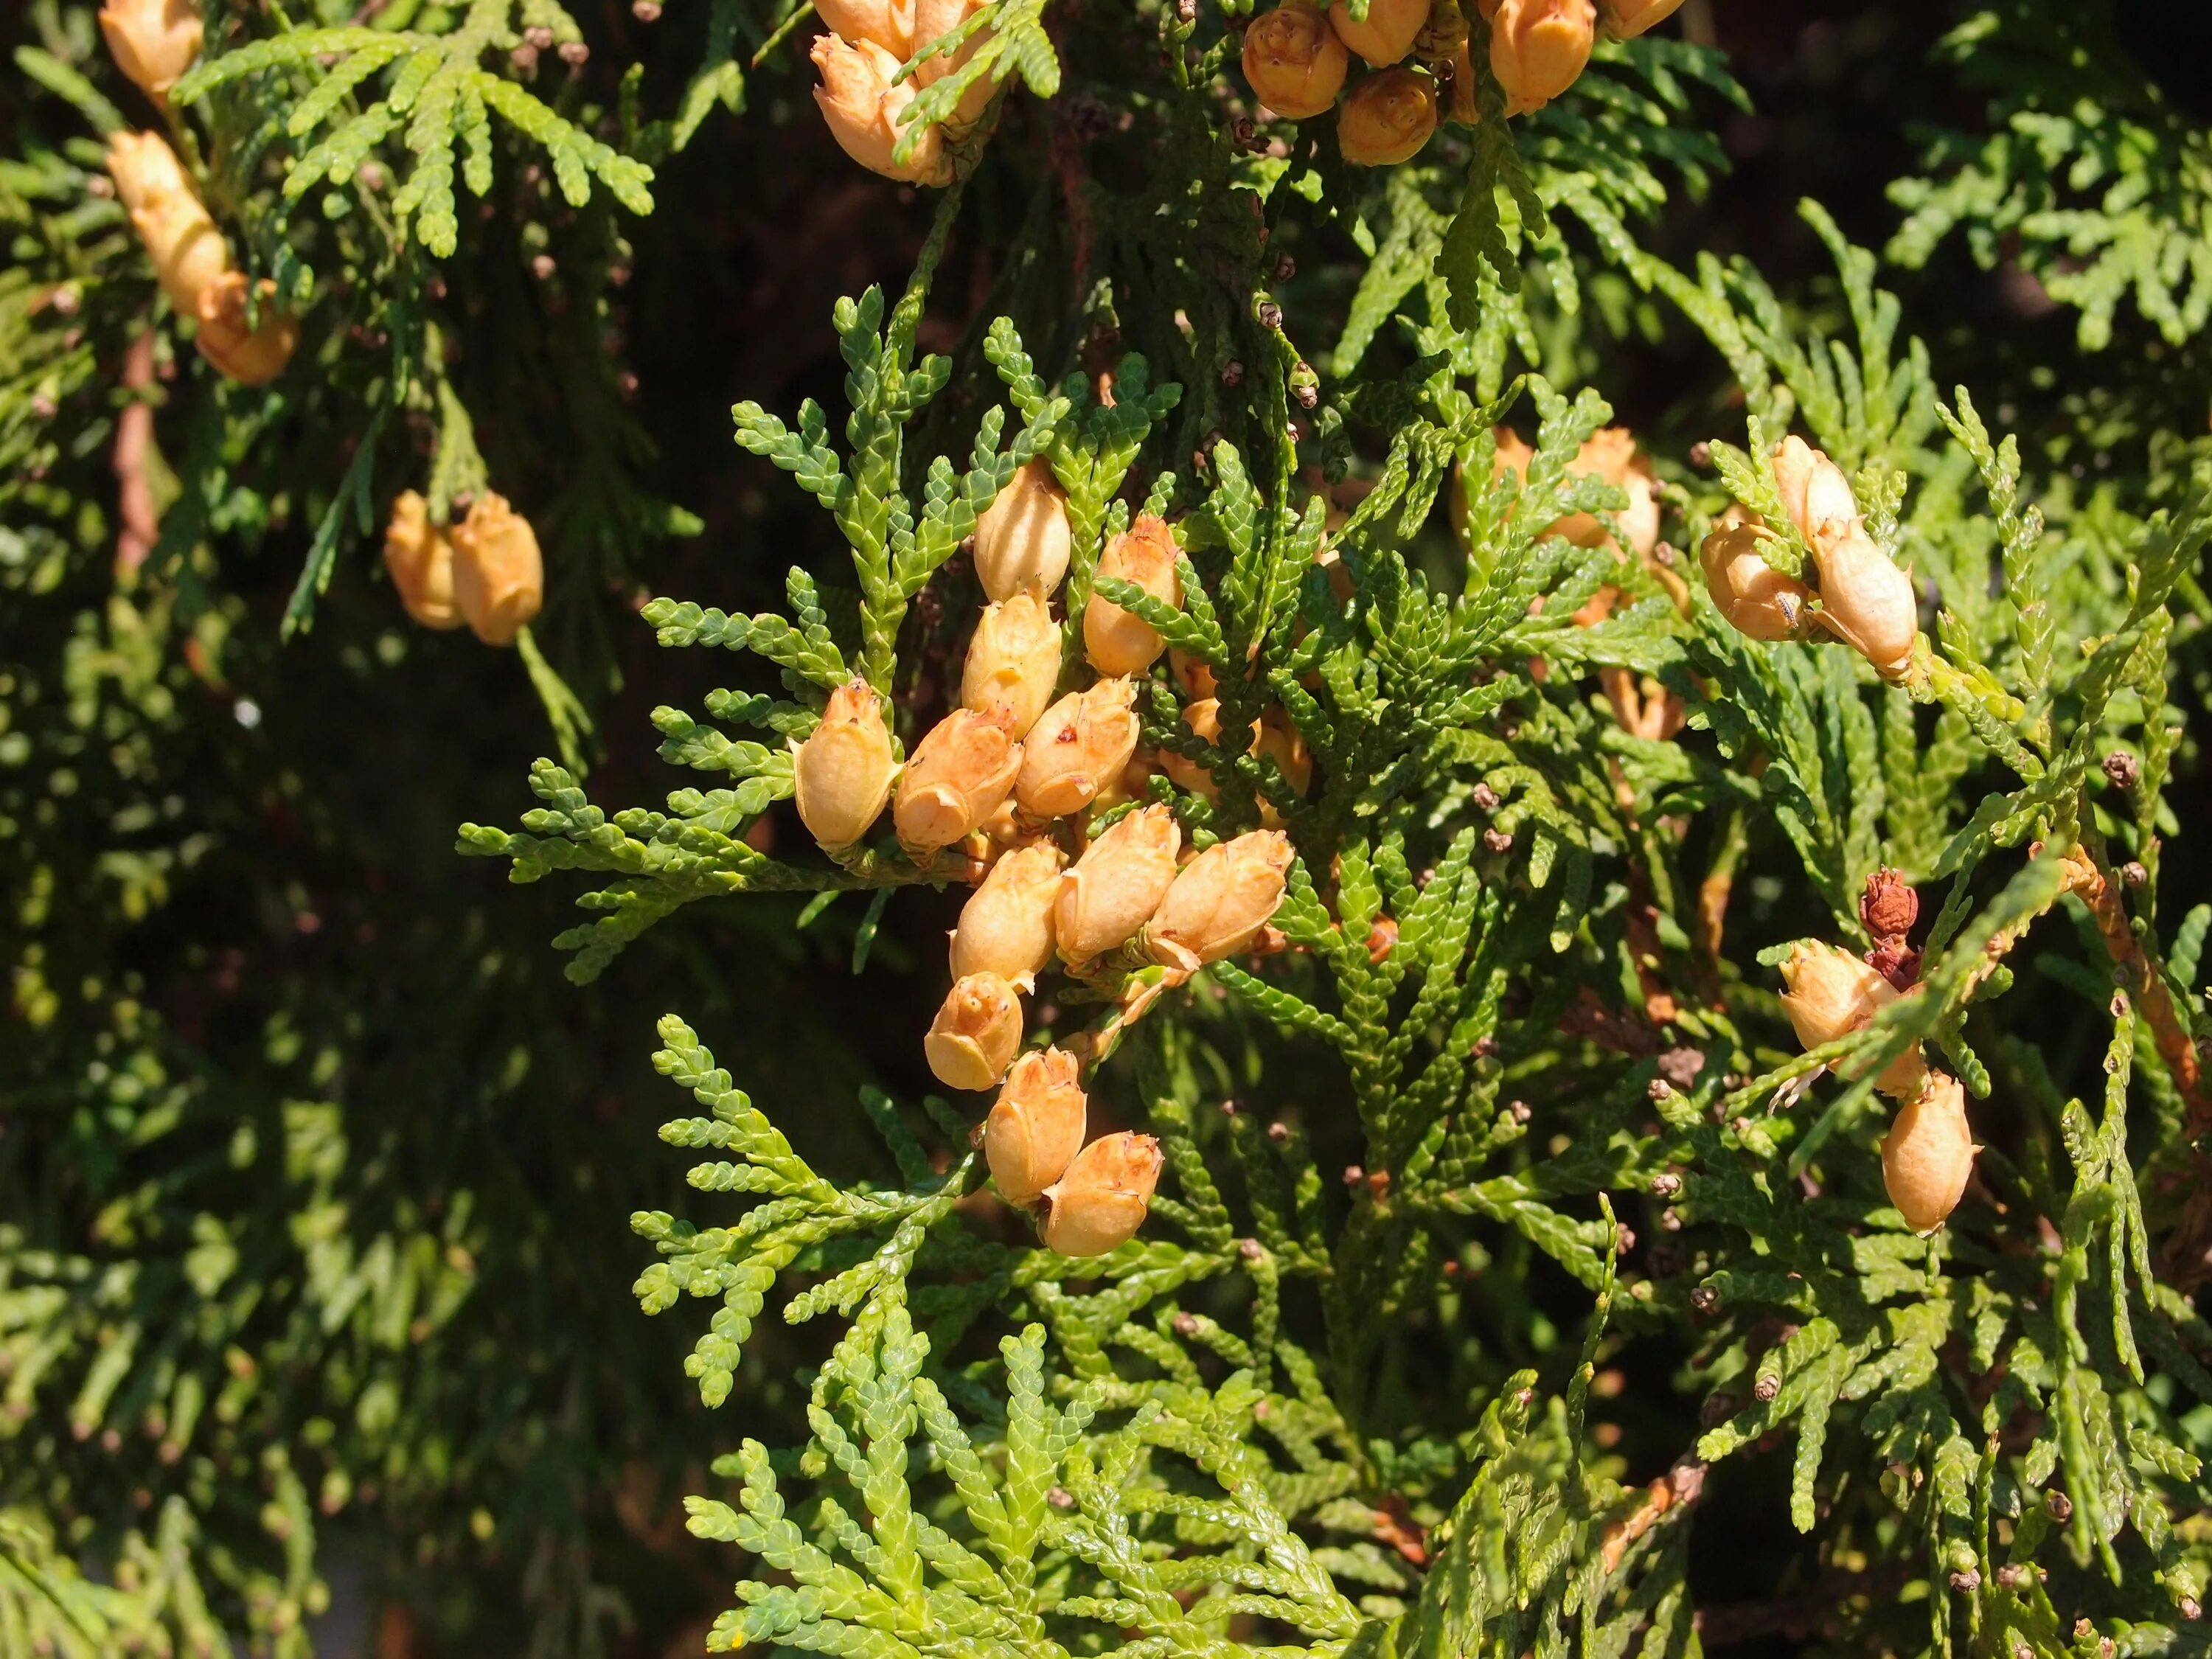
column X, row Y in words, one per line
column 134, row 441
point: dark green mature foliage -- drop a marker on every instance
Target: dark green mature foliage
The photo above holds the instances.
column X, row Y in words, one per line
column 1514, row 1285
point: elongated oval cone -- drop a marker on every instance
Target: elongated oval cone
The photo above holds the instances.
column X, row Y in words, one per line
column 1023, row 537
column 191, row 257
column 1626, row 19
column 1099, row 1203
column 144, row 167
column 256, row 355
column 1537, row 48
column 1013, row 661
column 1388, row 118
column 1117, row 884
column 498, row 575
column 1829, row 993
column 153, row 42
column 1814, row 493
column 842, row 773
column 861, row 100
column 889, row 23
column 1078, row 749
column 1035, row 1129
column 976, row 1031
column 1203, row 717
column 1005, row 927
column 1294, row 61
column 1119, row 641
column 1386, row 34
column 1220, row 900
column 956, row 778
column 1927, row 1155
column 1867, row 602
column 1758, row 600
column 421, row 560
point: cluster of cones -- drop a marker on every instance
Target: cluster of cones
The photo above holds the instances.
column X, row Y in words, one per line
column 486, row 571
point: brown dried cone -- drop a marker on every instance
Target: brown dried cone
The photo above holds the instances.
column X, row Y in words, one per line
column 1099, row 1203
column 1868, row 602
column 956, row 778
column 1929, row 1153
column 1387, row 33
column 1831, row 993
column 975, row 1034
column 1023, row 537
column 1117, row 884
column 498, row 575
column 1013, row 661
column 889, row 23
column 861, row 100
column 1388, row 118
column 1005, row 927
column 1626, row 19
column 1756, row 600
column 1294, row 61
column 421, row 560
column 1077, row 749
column 1119, row 641
column 1219, row 901
column 153, row 42
column 252, row 355
column 1537, row 48
column 933, row 21
column 1035, row 1129
column 842, row 773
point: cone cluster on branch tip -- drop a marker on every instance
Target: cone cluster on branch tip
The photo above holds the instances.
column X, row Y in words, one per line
column 863, row 101
column 1008, row 781
column 1297, row 60
column 1865, row 598
column 486, row 572
column 241, row 331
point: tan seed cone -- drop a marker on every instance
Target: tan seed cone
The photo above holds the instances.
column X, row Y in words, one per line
column 1117, row 884
column 933, row 21
column 1005, row 927
column 421, row 560
column 842, row 773
column 973, row 1039
column 1867, row 602
column 254, row 355
column 498, row 575
column 1758, row 600
column 1537, row 48
column 889, row 23
column 1077, row 749
column 1023, row 537
column 1219, row 901
column 1119, row 641
column 1386, row 34
column 1294, row 61
column 956, row 778
column 1929, row 1154
column 1626, row 19
column 1388, row 118
column 1830, row 993
column 861, row 100
column 1814, row 493
column 153, row 42
column 1013, row 661
column 1035, row 1129
column 1099, row 1203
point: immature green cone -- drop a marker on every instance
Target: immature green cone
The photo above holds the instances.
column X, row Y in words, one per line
column 1295, row 61
column 1758, row 600
column 1117, row 884
column 1099, row 1203
column 1024, row 536
column 1386, row 34
column 1078, row 749
column 1219, row 901
column 1119, row 641
column 975, row 1034
column 1831, row 993
column 499, row 575
column 956, row 778
column 1929, row 1154
column 1005, row 927
column 844, row 771
column 1867, row 602
column 1013, row 661
column 1035, row 1129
